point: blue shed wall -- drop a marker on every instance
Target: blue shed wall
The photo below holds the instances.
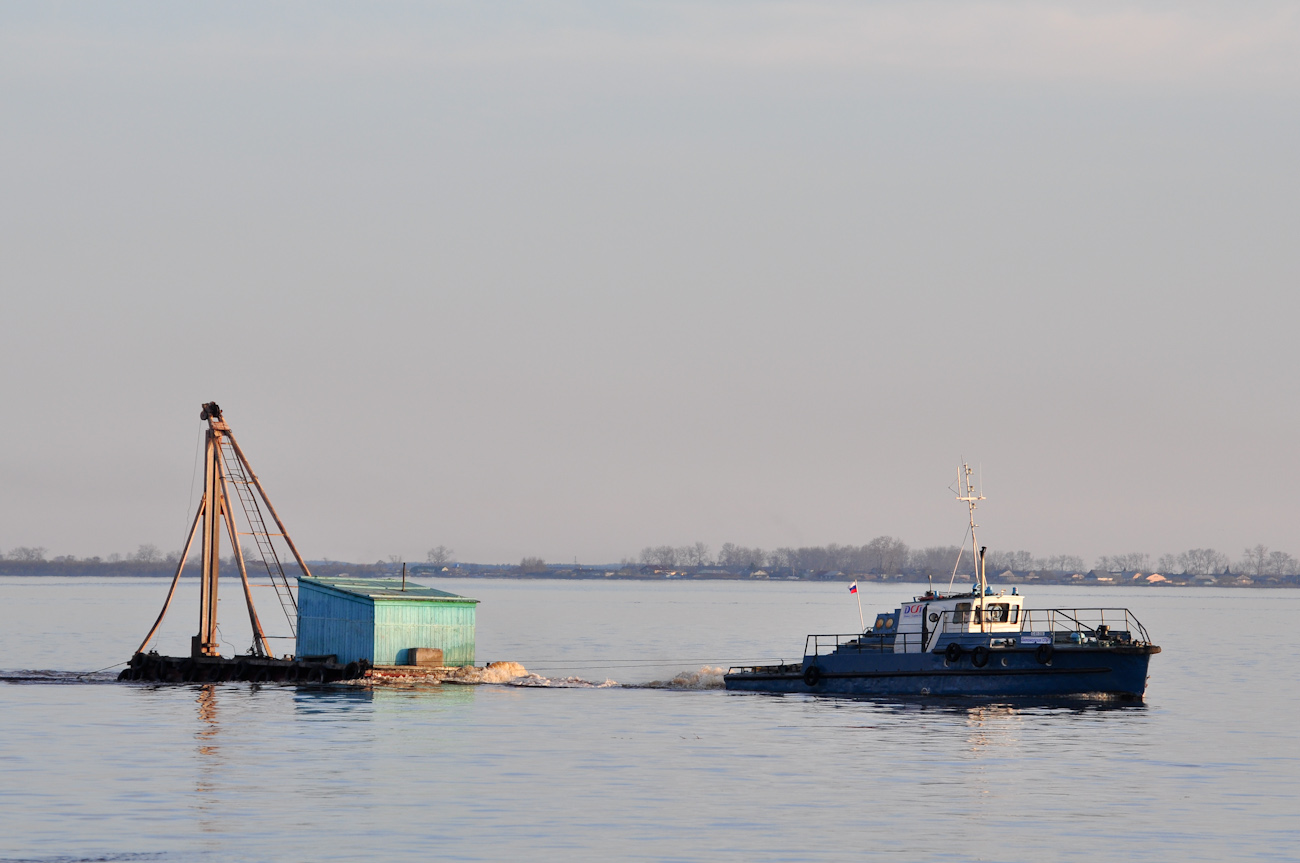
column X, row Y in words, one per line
column 402, row 624
column 332, row 622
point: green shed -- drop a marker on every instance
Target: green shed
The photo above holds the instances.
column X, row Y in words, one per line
column 377, row 620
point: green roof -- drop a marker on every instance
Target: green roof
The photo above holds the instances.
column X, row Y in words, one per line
column 384, row 588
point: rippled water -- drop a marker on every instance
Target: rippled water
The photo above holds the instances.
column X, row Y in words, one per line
column 1208, row 769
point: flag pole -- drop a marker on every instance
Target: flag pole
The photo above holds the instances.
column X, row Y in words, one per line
column 853, row 589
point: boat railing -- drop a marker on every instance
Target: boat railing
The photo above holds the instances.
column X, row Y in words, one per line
column 776, row 668
column 860, row 642
column 1087, row 621
column 1084, row 622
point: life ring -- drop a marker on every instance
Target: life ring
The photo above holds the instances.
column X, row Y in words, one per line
column 1044, row 654
column 812, row 675
column 979, row 657
column 954, row 652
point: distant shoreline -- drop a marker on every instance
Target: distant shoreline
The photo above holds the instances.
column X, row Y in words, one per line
column 132, row 569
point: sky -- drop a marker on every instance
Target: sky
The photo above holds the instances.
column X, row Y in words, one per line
column 572, row 279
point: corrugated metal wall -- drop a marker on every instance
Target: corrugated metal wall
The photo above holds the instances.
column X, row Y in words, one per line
column 331, row 622
column 402, row 624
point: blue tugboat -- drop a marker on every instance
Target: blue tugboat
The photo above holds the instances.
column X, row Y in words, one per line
column 974, row 643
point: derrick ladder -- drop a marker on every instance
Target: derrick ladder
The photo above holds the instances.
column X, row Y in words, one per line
column 238, row 477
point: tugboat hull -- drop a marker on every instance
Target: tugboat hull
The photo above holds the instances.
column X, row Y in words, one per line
column 1119, row 673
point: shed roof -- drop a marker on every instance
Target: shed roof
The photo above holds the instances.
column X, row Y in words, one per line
column 384, row 588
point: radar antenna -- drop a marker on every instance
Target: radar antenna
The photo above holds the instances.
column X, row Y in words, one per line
column 968, row 494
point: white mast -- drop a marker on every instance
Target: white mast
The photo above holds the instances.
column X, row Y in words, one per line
column 967, row 493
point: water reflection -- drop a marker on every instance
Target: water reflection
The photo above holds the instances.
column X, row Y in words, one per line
column 960, row 707
column 356, row 702
column 991, row 733
column 211, row 761
column 437, row 697
column 317, row 700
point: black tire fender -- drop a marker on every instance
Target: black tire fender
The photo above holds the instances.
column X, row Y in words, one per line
column 812, row 675
column 1044, row 653
column 953, row 652
column 979, row 657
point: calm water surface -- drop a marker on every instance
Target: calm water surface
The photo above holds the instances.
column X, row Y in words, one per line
column 1207, row 769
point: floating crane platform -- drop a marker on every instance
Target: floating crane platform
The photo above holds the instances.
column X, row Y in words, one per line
column 226, row 469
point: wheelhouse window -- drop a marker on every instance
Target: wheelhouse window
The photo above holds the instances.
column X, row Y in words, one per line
column 998, row 612
column 962, row 613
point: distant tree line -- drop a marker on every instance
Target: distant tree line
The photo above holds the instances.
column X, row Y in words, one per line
column 1258, row 560
column 884, row 554
column 143, row 554
column 887, row 554
column 148, row 556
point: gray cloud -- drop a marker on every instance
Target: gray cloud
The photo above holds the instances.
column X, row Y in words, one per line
column 1099, row 42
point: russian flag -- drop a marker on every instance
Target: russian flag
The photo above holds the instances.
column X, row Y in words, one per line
column 853, row 588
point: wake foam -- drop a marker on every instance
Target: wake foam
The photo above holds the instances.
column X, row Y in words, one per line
column 502, row 672
column 708, row 677
column 561, row 682
column 64, row 677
